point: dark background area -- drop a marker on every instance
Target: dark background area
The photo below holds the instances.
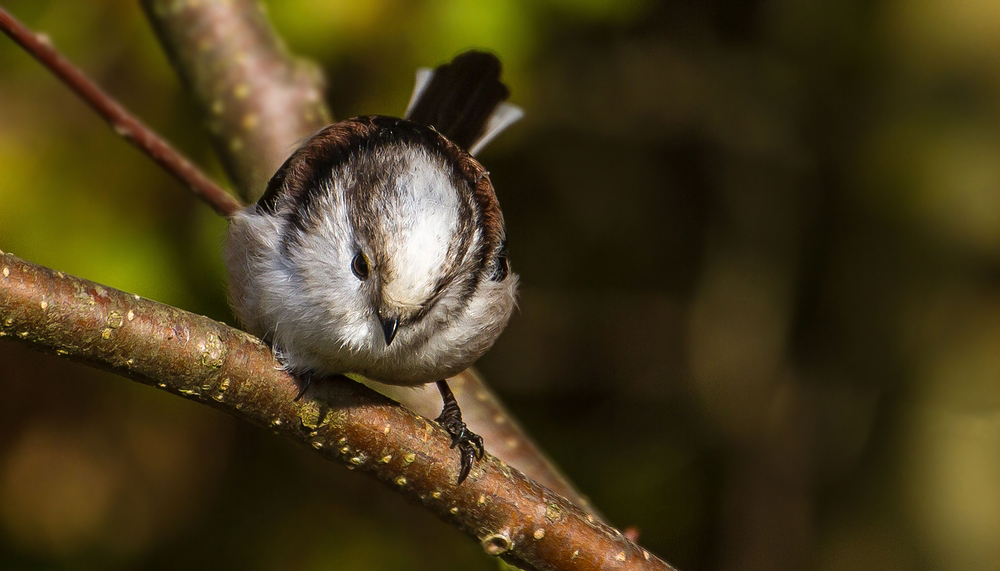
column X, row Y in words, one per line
column 759, row 248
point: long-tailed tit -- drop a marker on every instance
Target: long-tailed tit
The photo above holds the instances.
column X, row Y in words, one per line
column 379, row 247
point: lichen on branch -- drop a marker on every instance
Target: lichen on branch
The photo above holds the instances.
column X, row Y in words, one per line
column 209, row 362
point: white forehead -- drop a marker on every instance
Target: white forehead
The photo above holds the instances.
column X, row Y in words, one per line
column 422, row 220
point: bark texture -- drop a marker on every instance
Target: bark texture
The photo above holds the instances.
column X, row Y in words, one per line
column 203, row 360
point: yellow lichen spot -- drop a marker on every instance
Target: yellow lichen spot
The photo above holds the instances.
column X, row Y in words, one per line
column 317, row 444
column 9, row 321
column 342, row 440
column 275, row 422
column 482, row 499
column 130, row 315
column 129, row 362
column 387, row 429
column 358, row 460
column 436, row 495
column 214, row 353
column 224, row 384
column 106, row 334
column 162, row 385
column 345, row 450
column 309, row 415
column 620, row 556
column 453, row 511
column 576, row 553
column 115, row 320
column 409, row 458
column 539, row 533
column 401, row 481
column 44, row 305
column 6, row 272
column 386, row 459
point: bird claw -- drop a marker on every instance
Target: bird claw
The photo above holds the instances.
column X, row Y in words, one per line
column 307, row 380
column 469, row 444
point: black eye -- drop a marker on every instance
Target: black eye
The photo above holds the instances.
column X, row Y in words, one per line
column 359, row 265
column 501, row 266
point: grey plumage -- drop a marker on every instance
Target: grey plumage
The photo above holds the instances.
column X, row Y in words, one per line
column 424, row 215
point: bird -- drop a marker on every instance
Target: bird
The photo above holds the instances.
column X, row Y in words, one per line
column 379, row 248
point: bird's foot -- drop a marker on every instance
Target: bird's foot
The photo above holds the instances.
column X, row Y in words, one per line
column 469, row 444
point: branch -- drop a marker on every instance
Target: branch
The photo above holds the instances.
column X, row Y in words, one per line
column 259, row 101
column 123, row 122
column 206, row 361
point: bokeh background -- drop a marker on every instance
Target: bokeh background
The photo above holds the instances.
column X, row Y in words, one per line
column 759, row 245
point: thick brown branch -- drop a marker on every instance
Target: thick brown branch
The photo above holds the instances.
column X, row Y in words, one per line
column 258, row 100
column 209, row 362
column 123, row 122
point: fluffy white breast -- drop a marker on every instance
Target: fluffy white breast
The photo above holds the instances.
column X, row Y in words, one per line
column 422, row 222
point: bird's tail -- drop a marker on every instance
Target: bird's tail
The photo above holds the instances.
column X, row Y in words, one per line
column 464, row 100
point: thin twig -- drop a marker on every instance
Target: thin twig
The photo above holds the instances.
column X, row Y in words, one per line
column 206, row 361
column 123, row 122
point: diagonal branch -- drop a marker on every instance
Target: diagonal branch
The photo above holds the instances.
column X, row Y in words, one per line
column 123, row 122
column 209, row 362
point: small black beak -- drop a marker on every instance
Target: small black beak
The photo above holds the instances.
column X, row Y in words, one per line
column 389, row 325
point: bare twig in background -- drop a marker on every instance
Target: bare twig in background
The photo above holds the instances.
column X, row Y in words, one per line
column 123, row 122
column 209, row 362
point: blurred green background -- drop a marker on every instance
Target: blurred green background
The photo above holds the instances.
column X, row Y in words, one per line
column 759, row 245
